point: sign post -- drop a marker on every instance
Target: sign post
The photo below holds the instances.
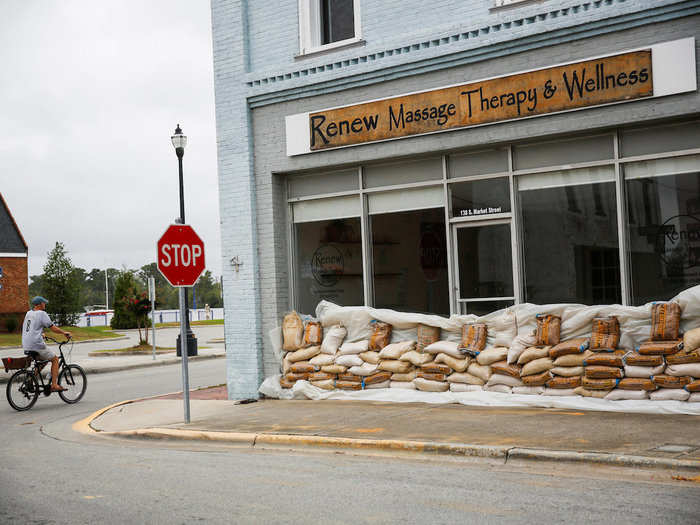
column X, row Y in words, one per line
column 152, row 298
column 180, row 256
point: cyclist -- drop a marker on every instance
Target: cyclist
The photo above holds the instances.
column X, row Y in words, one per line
column 35, row 321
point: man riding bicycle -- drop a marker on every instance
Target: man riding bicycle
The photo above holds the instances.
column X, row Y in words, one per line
column 35, row 321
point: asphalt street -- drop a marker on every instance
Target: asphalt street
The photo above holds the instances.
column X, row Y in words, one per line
column 51, row 474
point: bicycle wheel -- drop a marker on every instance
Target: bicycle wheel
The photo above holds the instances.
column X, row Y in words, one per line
column 22, row 390
column 73, row 378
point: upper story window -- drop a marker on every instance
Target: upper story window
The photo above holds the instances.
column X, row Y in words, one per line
column 327, row 24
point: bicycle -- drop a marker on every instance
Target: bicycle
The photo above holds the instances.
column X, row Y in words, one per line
column 27, row 383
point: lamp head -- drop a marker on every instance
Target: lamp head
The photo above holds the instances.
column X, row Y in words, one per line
column 179, row 141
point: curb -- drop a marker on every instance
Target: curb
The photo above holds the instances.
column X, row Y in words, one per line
column 506, row 454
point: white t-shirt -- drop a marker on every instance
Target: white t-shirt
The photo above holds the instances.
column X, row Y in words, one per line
column 32, row 329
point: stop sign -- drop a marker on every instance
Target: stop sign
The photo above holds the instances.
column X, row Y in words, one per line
column 180, row 255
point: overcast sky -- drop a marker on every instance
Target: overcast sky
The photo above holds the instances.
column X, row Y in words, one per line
column 91, row 91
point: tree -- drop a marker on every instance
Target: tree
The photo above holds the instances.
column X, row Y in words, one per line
column 207, row 291
column 124, row 285
column 61, row 286
column 166, row 295
column 139, row 306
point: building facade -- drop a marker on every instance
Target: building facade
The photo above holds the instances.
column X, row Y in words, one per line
column 14, row 279
column 412, row 155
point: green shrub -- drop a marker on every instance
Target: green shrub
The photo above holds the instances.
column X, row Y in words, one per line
column 11, row 324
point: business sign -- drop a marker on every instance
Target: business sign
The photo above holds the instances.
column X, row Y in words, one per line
column 659, row 70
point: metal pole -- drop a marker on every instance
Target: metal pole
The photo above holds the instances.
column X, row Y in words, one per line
column 106, row 293
column 183, row 348
column 152, row 293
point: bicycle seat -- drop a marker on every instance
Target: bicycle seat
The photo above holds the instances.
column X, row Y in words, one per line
column 32, row 354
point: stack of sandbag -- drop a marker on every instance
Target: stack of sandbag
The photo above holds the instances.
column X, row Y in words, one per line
column 685, row 366
column 603, row 369
column 467, row 375
column 504, row 377
column 402, row 371
column 300, row 343
column 436, row 365
column 567, row 373
column 535, row 366
column 348, row 356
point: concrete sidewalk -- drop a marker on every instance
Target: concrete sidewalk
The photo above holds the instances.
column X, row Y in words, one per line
column 640, row 440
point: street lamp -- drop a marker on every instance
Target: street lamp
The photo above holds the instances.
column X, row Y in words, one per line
column 179, row 142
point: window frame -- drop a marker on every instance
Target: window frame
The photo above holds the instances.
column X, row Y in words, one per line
column 310, row 31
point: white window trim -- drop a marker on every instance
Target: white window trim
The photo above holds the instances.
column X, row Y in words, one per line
column 19, row 255
column 310, row 28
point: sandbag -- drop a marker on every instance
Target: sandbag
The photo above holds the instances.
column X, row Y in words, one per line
column 408, row 376
column 620, row 395
column 436, row 368
column 481, row 371
column 292, row 332
column 682, row 358
column 365, row 369
column 573, row 359
column 446, row 347
column 567, row 371
column 286, row 383
column 427, row 385
column 537, row 366
column 604, row 360
column 643, row 371
column 518, row 345
column 669, row 394
column 370, row 357
column 603, row 372
column 503, row 389
column 586, row 392
column 598, row 384
column 633, row 358
column 462, row 387
column 334, row 369
column 492, row 355
column 322, row 376
column 353, row 348
column 426, row 335
column 286, row 364
column 606, row 332
column 313, row 333
column 432, row 376
column 503, row 328
column 348, row 360
column 416, row 358
column 694, row 397
column 532, row 353
column 528, row 390
column 348, row 385
column 501, row 379
column 378, row 377
column 689, row 369
column 465, row 377
column 458, row 365
column 548, row 329
column 537, row 379
column 350, row 378
column 333, row 339
column 693, row 386
column 302, row 367
column 691, row 340
column 473, row 338
column 660, row 347
column 322, row 360
column 572, row 346
column 383, row 384
column 636, row 383
column 502, row 367
column 292, row 377
column 396, row 350
column 564, row 382
column 563, row 392
column 666, row 381
column 381, row 335
column 405, row 385
column 325, row 384
column 665, row 321
column 395, row 366
column 303, row 354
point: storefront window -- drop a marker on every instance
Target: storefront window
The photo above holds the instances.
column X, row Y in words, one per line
column 480, row 197
column 663, row 213
column 329, row 263
column 410, row 261
column 570, row 237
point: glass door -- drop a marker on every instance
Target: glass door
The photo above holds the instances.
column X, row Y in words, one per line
column 484, row 266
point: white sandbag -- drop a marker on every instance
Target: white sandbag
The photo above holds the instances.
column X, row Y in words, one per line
column 395, row 366
column 567, row 371
column 533, row 352
column 463, row 387
column 691, row 340
column 503, row 389
column 492, row 355
column 408, row 376
column 383, row 384
column 665, row 394
column 518, row 346
column 450, row 348
column 304, row 354
column 458, row 365
column 502, row 329
column 528, row 390
column 618, row 394
column 465, row 377
column 405, row 385
column 559, row 392
column 365, row 369
column 643, row 371
column 348, row 360
column 694, row 397
column 416, row 358
column 325, row 384
column 687, row 369
column 480, row 371
column 353, row 348
column 428, row 385
column 502, row 379
column 370, row 357
column 322, row 360
column 333, row 339
column 396, row 350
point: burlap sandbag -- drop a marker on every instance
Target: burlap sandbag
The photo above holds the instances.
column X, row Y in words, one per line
column 458, row 365
column 473, row 338
column 333, row 339
column 691, row 340
column 562, row 392
column 564, row 382
column 292, row 332
column 502, row 367
column 348, row 360
column 436, row 368
column 286, row 383
column 325, row 384
column 395, row 366
column 445, row 347
column 302, row 367
column 528, row 390
column 635, row 359
column 357, row 347
column 682, row 358
column 567, row 371
column 334, row 369
column 660, row 347
column 643, row 371
column 604, row 359
column 621, row 395
column 416, row 358
column 291, row 376
column 548, row 330
column 603, row 372
column 502, row 389
column 322, row 376
column 694, row 397
column 313, row 333
column 303, row 354
column 404, row 385
column 481, row 371
column 532, row 353
column 377, row 386
column 666, row 381
column 573, row 359
column 396, row 350
column 599, row 384
column 379, row 377
column 463, row 387
column 693, row 386
column 426, row 335
column 430, row 386
column 404, row 377
column 689, row 369
column 669, row 394
column 433, row 377
column 348, row 385
column 370, row 357
column 465, row 377
column 349, row 378
column 665, row 321
column 537, row 379
column 537, row 366
column 492, row 355
column 589, row 392
column 322, row 360
column 636, row 383
column 606, row 332
column 365, row 369
column 381, row 335
column 502, row 379
column 572, row 346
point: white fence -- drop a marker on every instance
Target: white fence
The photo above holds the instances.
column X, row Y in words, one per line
column 162, row 316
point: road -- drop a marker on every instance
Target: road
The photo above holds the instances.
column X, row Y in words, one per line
column 50, row 474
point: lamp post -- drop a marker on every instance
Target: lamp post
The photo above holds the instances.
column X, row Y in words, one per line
column 179, row 142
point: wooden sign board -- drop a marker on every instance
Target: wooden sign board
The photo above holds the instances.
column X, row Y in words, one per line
column 606, row 80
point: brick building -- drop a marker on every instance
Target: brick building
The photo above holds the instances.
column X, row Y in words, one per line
column 451, row 157
column 14, row 280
